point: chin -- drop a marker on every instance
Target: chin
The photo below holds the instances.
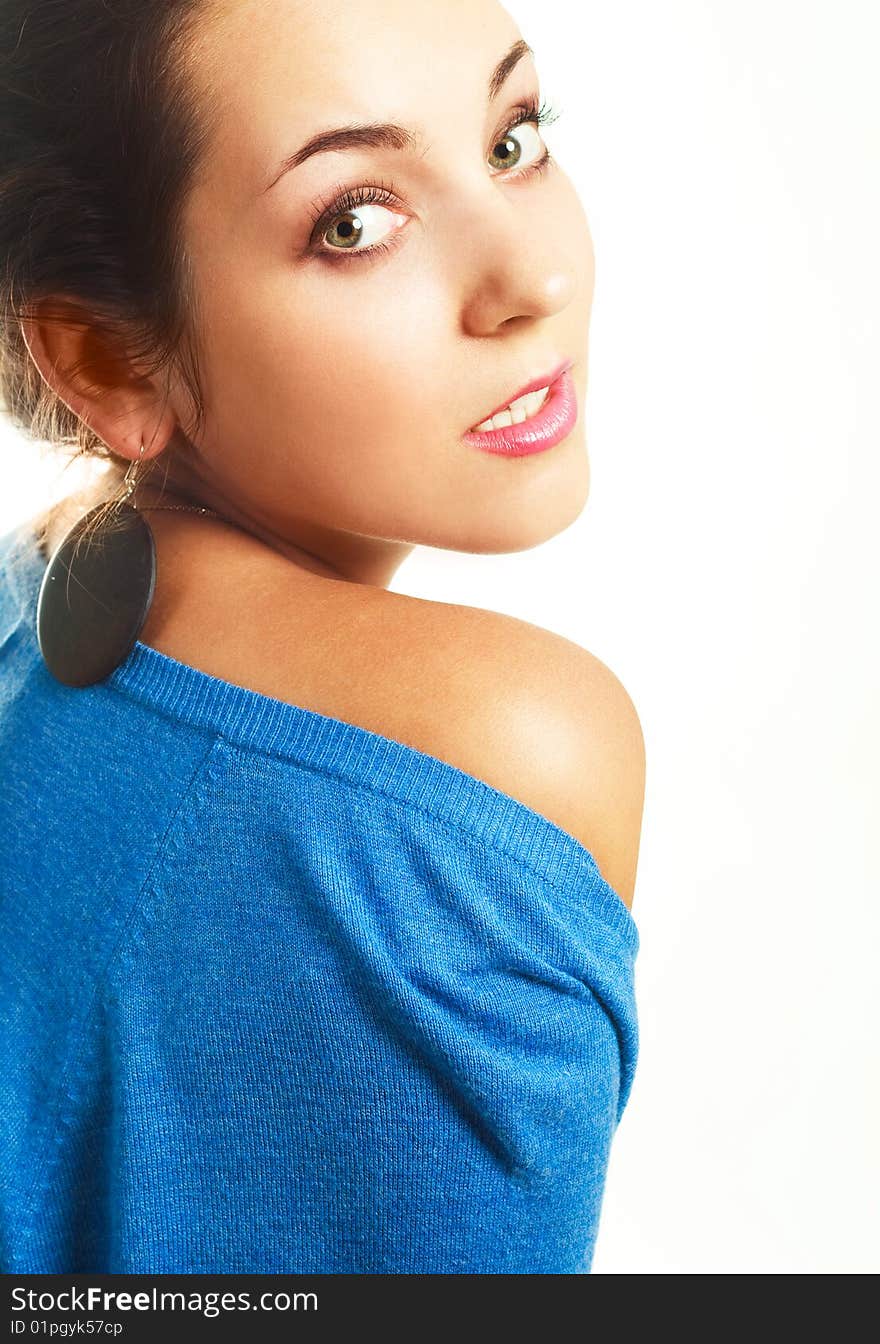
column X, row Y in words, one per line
column 543, row 515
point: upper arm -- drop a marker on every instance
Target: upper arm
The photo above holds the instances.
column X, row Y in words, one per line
column 550, row 724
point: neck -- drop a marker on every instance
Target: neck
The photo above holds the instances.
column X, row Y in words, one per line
column 330, row 555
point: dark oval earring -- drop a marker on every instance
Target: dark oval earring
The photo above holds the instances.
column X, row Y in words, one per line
column 96, row 593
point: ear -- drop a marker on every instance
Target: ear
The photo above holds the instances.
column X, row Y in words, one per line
column 87, row 369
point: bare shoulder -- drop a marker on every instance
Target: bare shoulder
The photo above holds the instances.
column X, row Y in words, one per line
column 543, row 720
column 520, row 707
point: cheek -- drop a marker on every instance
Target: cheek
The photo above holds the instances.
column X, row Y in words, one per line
column 356, row 356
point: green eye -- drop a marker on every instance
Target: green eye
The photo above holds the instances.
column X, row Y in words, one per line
column 357, row 225
column 509, row 153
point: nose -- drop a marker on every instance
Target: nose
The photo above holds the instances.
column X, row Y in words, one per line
column 515, row 268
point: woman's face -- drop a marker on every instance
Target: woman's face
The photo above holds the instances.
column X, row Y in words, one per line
column 345, row 350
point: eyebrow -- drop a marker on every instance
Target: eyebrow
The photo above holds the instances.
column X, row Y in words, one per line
column 387, row 135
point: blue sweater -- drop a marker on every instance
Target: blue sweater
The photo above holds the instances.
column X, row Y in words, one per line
column 281, row 995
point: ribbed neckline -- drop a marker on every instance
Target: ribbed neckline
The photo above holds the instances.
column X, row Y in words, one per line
column 249, row 719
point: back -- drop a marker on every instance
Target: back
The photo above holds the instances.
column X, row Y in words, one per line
column 279, row 994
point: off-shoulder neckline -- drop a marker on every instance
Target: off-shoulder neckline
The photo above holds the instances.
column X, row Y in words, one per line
column 251, row 720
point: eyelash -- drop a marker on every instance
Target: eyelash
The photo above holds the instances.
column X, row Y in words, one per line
column 529, row 111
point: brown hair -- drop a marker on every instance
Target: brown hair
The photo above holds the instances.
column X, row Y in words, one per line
column 100, row 138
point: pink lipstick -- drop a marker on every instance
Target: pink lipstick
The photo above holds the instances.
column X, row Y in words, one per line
column 550, row 424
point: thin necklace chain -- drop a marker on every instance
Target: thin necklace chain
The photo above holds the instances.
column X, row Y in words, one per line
column 184, row 508
column 132, row 484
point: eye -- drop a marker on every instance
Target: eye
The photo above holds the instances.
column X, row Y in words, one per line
column 353, row 222
column 510, row 153
column 362, row 227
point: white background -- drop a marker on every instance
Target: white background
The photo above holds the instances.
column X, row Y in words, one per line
column 726, row 568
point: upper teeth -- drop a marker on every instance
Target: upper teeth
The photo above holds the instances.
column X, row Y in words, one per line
column 514, row 414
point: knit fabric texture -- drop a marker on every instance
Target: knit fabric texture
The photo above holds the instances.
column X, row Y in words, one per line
column 279, row 994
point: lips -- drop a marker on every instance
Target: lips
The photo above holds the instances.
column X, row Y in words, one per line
column 544, row 380
column 550, row 424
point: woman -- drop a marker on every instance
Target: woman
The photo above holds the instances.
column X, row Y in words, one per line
column 317, row 952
